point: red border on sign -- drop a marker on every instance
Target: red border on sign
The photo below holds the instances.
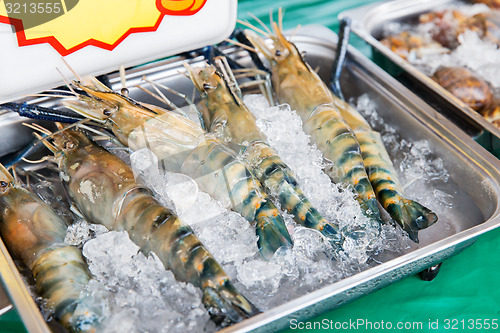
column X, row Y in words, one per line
column 23, row 41
column 187, row 11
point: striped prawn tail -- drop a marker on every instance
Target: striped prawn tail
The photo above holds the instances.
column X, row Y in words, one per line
column 61, row 274
column 228, row 179
column 335, row 139
column 280, row 181
column 409, row 214
column 234, row 306
column 155, row 228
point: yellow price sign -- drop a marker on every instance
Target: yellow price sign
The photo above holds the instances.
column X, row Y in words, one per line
column 70, row 25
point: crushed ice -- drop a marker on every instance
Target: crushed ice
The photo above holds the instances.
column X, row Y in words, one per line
column 134, row 292
column 81, row 231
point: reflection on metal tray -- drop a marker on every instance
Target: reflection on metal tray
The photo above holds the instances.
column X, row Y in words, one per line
column 368, row 22
column 473, row 172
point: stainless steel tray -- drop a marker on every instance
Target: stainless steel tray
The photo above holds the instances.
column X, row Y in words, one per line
column 473, row 171
column 368, row 22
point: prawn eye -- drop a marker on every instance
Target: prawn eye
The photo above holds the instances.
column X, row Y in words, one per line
column 106, row 112
column 278, row 53
column 124, row 92
column 69, row 145
column 206, row 86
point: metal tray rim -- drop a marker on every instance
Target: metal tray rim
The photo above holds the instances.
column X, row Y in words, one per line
column 343, row 285
column 19, row 295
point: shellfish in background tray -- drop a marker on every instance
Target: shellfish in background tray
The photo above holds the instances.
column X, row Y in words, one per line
column 413, row 41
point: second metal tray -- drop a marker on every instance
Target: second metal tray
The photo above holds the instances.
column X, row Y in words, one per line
column 368, row 22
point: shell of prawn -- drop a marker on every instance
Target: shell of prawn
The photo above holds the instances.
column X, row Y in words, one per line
column 105, row 191
column 343, row 135
column 296, row 84
column 409, row 214
column 225, row 114
column 34, row 233
column 183, row 146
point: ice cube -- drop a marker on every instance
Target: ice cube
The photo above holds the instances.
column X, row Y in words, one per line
column 145, row 164
column 82, row 231
column 261, row 275
column 182, row 190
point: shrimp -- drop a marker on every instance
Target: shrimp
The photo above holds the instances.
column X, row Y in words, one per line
column 103, row 188
column 227, row 114
column 34, row 234
column 409, row 214
column 183, row 146
column 342, row 134
column 298, row 85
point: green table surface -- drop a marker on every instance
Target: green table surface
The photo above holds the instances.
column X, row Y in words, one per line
column 464, row 295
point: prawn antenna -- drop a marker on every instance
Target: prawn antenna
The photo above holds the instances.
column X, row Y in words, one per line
column 100, row 134
column 155, row 86
column 43, row 159
column 68, row 84
column 294, row 32
column 156, row 96
column 246, row 47
column 50, row 134
column 53, row 93
column 124, row 91
column 14, row 173
column 271, row 22
column 38, row 128
column 175, row 92
column 6, row 172
column 48, row 95
column 281, row 14
column 71, row 70
column 253, row 27
column 263, row 25
column 47, row 144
